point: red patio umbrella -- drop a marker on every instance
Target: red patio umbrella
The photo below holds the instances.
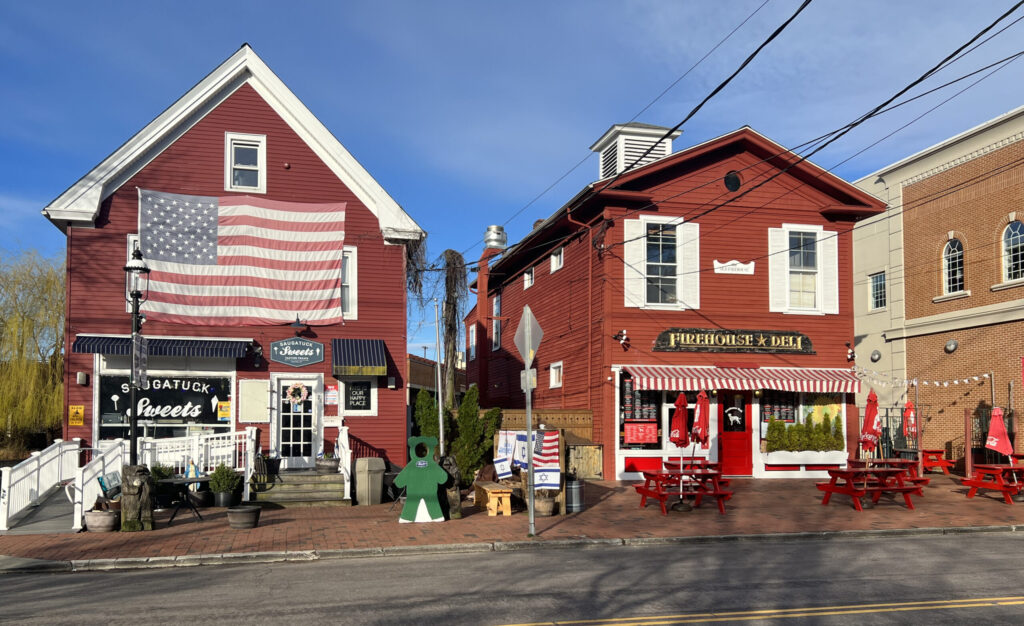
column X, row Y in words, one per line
column 677, row 433
column 997, row 439
column 701, row 420
column 872, row 428
column 909, row 420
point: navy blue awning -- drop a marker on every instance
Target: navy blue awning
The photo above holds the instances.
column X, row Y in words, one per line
column 200, row 348
column 359, row 357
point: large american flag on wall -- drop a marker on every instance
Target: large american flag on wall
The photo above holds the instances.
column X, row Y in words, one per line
column 241, row 260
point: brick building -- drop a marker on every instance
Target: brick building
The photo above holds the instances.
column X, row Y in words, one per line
column 723, row 268
column 950, row 251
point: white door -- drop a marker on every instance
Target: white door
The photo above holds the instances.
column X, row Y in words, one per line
column 299, row 425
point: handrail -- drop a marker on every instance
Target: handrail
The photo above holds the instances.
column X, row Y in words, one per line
column 87, row 488
column 26, row 483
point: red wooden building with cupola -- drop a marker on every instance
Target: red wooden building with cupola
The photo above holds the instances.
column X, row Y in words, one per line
column 277, row 265
column 724, row 268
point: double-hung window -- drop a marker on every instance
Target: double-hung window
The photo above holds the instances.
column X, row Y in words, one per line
column 953, row 267
column 1013, row 252
column 528, row 278
column 245, row 162
column 557, row 259
column 877, row 295
column 803, row 270
column 661, row 263
column 471, row 340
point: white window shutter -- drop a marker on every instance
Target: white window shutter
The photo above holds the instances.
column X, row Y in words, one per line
column 634, row 278
column 778, row 270
column 688, row 270
column 829, row 272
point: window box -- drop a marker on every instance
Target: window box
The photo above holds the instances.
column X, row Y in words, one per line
column 805, row 457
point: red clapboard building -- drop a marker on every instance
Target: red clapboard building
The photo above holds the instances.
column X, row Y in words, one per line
column 276, row 263
column 723, row 268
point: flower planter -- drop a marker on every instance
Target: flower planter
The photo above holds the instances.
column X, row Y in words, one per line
column 102, row 521
column 543, row 507
column 244, row 516
column 224, row 498
column 327, row 466
column 805, row 457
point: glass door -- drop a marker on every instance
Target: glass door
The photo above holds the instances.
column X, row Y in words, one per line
column 298, row 424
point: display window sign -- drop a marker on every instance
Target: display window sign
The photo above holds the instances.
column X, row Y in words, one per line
column 165, row 401
column 358, row 396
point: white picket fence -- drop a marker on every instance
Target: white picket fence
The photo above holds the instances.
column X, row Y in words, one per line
column 26, row 483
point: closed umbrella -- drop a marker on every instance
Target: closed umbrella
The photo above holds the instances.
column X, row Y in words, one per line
column 678, row 434
column 997, row 439
column 872, row 428
column 701, row 420
column 910, row 421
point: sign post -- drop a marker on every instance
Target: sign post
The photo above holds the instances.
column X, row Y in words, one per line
column 528, row 336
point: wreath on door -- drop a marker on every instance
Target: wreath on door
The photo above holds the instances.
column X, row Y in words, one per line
column 297, row 393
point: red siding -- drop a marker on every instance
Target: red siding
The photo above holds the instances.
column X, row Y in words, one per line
column 194, row 164
column 581, row 307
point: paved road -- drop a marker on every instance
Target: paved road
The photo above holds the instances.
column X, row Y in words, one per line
column 875, row 581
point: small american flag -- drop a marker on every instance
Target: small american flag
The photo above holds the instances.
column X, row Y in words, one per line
column 241, row 260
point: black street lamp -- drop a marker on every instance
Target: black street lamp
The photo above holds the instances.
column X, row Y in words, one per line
column 136, row 271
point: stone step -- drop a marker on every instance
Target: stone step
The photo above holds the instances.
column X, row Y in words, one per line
column 303, row 503
column 292, row 497
column 327, row 488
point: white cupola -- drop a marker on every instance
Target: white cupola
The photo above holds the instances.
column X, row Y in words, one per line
column 622, row 144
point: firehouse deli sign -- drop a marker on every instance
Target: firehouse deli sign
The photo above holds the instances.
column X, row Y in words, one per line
column 726, row 340
column 296, row 352
column 172, row 399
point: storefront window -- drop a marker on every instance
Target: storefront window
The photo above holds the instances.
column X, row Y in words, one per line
column 169, row 406
column 780, row 405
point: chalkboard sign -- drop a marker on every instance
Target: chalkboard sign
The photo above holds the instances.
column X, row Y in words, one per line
column 357, row 395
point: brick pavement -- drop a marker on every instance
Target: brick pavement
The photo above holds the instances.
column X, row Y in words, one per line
column 611, row 512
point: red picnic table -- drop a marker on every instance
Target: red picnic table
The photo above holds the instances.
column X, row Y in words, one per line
column 1002, row 477
column 907, row 465
column 696, row 482
column 931, row 459
column 859, row 482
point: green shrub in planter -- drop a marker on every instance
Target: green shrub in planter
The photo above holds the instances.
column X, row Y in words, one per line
column 838, row 441
column 775, row 436
column 224, row 479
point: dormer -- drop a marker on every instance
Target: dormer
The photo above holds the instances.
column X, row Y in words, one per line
column 622, row 144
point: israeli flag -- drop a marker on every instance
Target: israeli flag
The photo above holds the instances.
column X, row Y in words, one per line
column 521, row 454
column 506, row 444
column 546, row 479
column 503, row 467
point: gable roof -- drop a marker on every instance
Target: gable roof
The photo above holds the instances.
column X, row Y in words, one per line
column 80, row 204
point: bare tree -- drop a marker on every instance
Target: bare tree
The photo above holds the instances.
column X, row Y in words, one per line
column 455, row 290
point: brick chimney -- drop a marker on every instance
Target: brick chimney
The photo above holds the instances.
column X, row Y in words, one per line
column 495, row 242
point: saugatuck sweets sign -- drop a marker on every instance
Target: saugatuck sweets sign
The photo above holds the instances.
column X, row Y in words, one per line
column 176, row 399
column 296, row 352
column 732, row 340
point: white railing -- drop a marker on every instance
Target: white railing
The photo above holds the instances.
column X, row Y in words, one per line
column 344, row 454
column 87, row 487
column 27, row 482
column 234, row 449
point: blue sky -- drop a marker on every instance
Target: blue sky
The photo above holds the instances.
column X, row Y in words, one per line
column 466, row 111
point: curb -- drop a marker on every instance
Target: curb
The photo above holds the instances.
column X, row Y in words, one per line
column 15, row 565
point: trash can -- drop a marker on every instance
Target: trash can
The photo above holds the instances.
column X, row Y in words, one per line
column 573, row 496
column 369, row 480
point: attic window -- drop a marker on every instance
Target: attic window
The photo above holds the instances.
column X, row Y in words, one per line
column 733, row 181
column 245, row 162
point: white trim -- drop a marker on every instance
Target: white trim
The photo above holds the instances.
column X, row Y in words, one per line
column 260, row 141
column 81, row 202
column 471, row 340
column 552, row 382
column 827, row 273
column 557, row 259
column 528, row 277
column 687, row 235
column 1010, row 284
column 495, row 322
column 343, row 382
column 353, row 271
column 871, row 291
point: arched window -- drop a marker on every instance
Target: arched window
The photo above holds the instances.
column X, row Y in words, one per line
column 1013, row 252
column 953, row 266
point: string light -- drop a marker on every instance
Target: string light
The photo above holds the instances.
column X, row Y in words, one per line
column 882, row 379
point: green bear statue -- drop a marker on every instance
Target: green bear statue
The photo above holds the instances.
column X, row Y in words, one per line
column 420, row 478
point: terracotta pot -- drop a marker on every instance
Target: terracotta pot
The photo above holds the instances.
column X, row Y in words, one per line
column 102, row 521
column 244, row 516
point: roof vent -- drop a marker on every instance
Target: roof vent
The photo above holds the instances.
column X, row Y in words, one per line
column 622, row 145
column 495, row 238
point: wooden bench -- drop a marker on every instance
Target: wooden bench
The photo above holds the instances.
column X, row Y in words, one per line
column 494, row 497
column 935, row 458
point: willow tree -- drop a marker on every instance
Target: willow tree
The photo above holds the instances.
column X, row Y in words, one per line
column 31, row 347
column 455, row 290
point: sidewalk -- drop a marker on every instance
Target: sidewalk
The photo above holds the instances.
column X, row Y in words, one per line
column 612, row 515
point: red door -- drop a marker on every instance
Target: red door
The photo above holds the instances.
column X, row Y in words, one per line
column 734, row 427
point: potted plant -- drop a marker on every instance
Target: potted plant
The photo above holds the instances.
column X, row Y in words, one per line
column 544, row 502
column 223, row 483
column 327, row 464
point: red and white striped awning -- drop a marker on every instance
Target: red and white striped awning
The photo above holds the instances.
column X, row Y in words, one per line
column 696, row 378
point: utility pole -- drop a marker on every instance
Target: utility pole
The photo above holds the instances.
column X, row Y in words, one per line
column 437, row 369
